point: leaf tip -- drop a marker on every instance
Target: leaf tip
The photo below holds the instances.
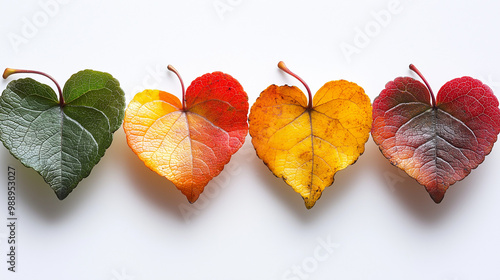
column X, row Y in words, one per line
column 192, row 197
column 309, row 203
column 61, row 194
column 437, row 196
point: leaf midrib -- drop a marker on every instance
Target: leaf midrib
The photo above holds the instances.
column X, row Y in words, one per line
column 312, row 151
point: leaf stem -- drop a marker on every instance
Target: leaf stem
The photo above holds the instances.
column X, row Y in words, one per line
column 171, row 68
column 414, row 69
column 10, row 71
column 282, row 66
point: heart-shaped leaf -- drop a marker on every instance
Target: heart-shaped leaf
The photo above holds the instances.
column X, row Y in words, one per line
column 307, row 143
column 437, row 141
column 190, row 142
column 62, row 139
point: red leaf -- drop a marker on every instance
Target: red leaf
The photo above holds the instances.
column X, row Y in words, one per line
column 437, row 145
column 189, row 145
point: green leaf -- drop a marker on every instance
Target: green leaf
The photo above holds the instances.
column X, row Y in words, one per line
column 62, row 143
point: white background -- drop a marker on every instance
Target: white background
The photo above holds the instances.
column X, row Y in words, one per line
column 125, row 222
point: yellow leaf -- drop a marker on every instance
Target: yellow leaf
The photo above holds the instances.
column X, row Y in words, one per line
column 307, row 144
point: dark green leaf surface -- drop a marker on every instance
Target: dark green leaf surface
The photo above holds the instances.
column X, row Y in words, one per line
column 63, row 144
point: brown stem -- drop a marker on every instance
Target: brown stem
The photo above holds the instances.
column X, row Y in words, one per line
column 10, row 71
column 282, row 66
column 433, row 99
column 171, row 68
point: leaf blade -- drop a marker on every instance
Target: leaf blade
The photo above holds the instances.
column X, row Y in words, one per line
column 301, row 145
column 189, row 147
column 62, row 144
column 436, row 146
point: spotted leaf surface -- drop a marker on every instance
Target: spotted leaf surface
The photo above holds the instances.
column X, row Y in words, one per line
column 307, row 146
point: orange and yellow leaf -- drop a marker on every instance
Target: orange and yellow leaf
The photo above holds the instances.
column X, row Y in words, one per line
column 189, row 147
column 306, row 147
